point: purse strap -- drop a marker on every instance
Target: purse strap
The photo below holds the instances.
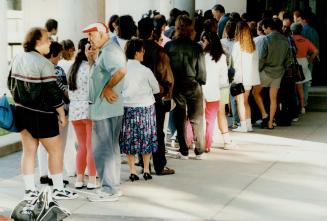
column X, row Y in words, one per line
column 293, row 49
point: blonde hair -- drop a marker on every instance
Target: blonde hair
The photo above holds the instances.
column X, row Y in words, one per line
column 244, row 36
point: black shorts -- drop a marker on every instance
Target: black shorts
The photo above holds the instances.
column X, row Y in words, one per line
column 38, row 124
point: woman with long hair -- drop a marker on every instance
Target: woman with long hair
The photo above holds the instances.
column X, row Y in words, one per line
column 245, row 61
column 217, row 79
column 79, row 115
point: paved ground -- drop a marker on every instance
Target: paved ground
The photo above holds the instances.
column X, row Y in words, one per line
column 278, row 175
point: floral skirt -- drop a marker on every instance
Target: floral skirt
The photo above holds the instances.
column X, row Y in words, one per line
column 139, row 130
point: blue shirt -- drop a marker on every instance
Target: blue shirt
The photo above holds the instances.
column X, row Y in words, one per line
column 311, row 34
column 110, row 59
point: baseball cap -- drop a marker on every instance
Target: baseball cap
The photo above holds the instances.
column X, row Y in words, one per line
column 97, row 26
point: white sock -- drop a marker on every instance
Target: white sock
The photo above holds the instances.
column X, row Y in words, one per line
column 227, row 138
column 244, row 124
column 57, row 181
column 29, row 182
column 248, row 123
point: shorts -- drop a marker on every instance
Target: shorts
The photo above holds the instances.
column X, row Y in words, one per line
column 224, row 96
column 38, row 124
column 267, row 81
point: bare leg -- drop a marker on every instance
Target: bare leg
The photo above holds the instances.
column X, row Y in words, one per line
column 300, row 93
column 30, row 145
column 55, row 150
column 222, row 120
column 273, row 105
column 258, row 99
column 240, row 106
column 131, row 163
column 146, row 160
column 247, row 105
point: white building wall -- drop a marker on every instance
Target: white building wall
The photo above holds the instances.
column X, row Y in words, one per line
column 72, row 15
column 229, row 5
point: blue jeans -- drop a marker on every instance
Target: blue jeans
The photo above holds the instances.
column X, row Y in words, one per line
column 105, row 141
column 236, row 118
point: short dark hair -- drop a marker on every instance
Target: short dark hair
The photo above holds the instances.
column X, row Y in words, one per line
column 132, row 46
column 219, row 7
column 55, row 49
column 268, row 23
column 145, row 27
column 32, row 36
column 51, row 24
column 127, row 27
column 159, row 21
column 112, row 19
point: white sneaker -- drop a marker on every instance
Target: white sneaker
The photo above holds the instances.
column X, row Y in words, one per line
column 240, row 129
column 31, row 194
column 64, row 194
column 302, row 110
column 295, row 119
column 230, row 146
column 249, row 128
column 201, row 157
column 79, row 185
column 103, row 197
column 92, row 186
column 181, row 156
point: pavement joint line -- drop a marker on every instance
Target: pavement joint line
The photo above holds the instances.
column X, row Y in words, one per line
column 251, row 182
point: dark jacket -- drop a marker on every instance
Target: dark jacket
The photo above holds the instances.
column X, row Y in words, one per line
column 156, row 58
column 187, row 63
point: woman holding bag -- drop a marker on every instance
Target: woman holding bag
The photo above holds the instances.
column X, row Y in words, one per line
column 245, row 61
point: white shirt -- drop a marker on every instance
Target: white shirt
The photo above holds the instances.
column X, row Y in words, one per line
column 246, row 66
column 228, row 47
column 79, row 98
column 66, row 65
column 139, row 85
column 217, row 77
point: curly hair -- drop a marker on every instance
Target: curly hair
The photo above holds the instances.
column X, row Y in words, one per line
column 244, row 36
column 31, row 38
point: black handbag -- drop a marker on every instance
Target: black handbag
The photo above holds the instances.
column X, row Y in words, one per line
column 294, row 70
column 43, row 208
column 236, row 89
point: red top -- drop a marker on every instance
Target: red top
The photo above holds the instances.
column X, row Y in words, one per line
column 303, row 46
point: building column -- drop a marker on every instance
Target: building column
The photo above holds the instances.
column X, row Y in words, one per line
column 3, row 47
column 167, row 5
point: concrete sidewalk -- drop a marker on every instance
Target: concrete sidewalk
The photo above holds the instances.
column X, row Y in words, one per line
column 277, row 175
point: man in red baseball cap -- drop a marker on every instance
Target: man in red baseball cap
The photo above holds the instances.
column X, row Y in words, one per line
column 106, row 109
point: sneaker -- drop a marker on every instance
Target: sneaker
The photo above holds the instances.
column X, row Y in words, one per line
column 240, row 129
column 295, row 119
column 249, row 128
column 104, row 197
column 92, row 186
column 64, row 194
column 181, row 156
column 302, row 110
column 201, row 157
column 31, row 194
column 79, row 185
column 230, row 146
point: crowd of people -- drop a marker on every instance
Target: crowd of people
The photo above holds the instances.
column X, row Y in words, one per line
column 113, row 94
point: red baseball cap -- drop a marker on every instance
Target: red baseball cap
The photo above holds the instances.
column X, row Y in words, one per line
column 97, row 26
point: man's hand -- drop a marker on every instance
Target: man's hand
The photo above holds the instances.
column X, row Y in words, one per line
column 62, row 120
column 109, row 94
